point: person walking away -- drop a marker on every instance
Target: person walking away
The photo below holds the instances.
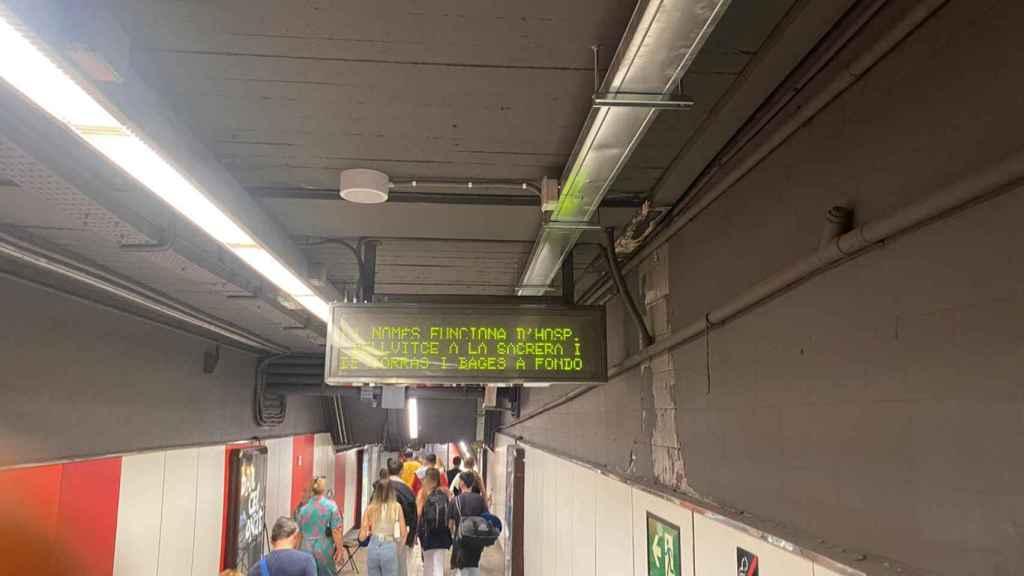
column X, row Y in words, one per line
column 284, row 559
column 429, row 463
column 409, row 467
column 454, row 471
column 469, row 467
column 384, row 525
column 433, row 530
column 471, row 502
column 321, row 528
column 406, row 499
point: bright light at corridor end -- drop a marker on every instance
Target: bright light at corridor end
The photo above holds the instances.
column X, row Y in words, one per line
column 26, row 67
column 412, row 409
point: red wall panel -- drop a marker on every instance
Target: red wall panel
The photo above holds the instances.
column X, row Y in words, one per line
column 302, row 468
column 87, row 518
column 29, row 500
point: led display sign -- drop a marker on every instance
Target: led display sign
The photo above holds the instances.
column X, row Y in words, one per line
column 409, row 343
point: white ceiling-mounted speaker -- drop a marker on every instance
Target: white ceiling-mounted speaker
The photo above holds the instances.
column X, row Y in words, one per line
column 364, row 186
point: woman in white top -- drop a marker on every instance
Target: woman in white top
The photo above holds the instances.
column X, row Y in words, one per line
column 384, row 524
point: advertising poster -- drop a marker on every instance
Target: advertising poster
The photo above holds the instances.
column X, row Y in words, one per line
column 664, row 547
column 746, row 563
column 247, row 504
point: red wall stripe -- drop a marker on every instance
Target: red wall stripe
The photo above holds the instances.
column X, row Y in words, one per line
column 302, row 468
column 87, row 519
column 29, row 501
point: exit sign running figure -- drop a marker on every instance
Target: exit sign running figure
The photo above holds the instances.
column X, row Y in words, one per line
column 439, row 343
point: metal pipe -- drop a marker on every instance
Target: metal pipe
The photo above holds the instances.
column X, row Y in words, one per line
column 20, row 250
column 727, row 172
column 467, row 183
column 838, row 221
column 447, row 393
column 1001, row 178
column 425, row 197
column 620, row 283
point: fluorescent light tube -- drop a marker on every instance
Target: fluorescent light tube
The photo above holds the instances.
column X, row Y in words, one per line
column 146, row 166
column 414, row 418
column 27, row 68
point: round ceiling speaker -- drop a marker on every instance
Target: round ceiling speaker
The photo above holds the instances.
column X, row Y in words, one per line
column 364, row 186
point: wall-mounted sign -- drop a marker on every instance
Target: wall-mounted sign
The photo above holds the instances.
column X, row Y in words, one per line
column 746, row 563
column 409, row 343
column 247, row 504
column 664, row 547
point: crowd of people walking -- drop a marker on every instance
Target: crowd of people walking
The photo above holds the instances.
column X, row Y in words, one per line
column 416, row 508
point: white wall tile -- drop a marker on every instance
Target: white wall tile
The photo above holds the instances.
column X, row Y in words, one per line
column 209, row 517
column 584, row 548
column 670, row 512
column 137, row 544
column 715, row 553
column 178, row 516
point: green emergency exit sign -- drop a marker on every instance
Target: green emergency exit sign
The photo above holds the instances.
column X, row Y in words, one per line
column 410, row 343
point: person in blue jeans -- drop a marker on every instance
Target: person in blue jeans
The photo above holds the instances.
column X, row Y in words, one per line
column 284, row 559
column 384, row 525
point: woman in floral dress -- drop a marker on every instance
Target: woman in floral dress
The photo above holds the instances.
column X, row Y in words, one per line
column 320, row 524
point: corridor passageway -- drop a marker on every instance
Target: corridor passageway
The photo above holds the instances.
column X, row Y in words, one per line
column 683, row 287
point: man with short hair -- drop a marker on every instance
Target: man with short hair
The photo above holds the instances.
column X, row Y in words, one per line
column 454, row 470
column 284, row 559
column 469, row 465
column 407, row 500
column 429, row 461
column 409, row 467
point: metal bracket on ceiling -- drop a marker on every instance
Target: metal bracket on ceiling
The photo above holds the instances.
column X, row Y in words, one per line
column 170, row 237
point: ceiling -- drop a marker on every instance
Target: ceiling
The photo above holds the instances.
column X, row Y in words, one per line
column 284, row 95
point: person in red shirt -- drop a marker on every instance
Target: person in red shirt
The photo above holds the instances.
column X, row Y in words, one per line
column 430, row 462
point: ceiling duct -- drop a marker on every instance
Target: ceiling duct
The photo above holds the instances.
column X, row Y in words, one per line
column 660, row 43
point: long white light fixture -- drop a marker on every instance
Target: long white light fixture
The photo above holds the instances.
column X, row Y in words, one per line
column 412, row 409
column 30, row 70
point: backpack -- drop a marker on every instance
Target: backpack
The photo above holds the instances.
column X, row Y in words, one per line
column 475, row 531
column 435, row 512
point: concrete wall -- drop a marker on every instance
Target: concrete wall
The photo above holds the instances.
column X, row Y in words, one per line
column 877, row 405
column 81, row 380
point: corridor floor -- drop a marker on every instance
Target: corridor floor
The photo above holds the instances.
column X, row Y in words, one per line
column 491, row 563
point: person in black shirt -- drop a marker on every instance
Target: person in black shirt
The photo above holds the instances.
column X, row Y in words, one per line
column 284, row 559
column 470, row 502
column 434, row 531
column 454, row 471
column 407, row 501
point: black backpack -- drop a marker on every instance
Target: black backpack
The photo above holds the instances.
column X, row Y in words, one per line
column 475, row 531
column 435, row 512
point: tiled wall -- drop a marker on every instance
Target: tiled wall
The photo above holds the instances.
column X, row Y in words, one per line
column 581, row 523
column 156, row 513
